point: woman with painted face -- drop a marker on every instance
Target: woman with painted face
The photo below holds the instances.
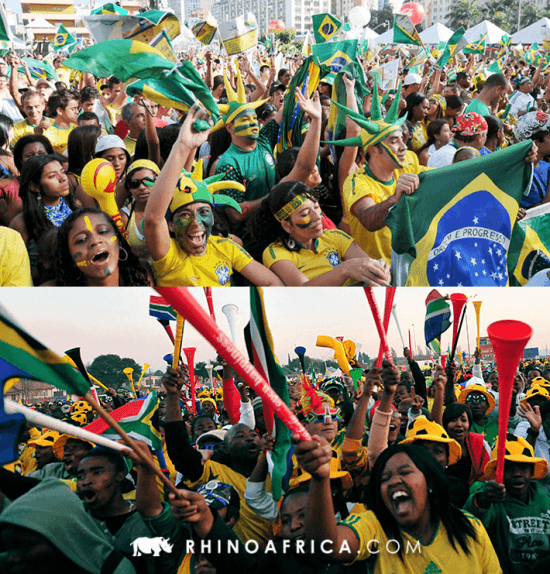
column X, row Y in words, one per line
column 91, row 251
column 182, row 247
column 410, row 526
column 301, row 252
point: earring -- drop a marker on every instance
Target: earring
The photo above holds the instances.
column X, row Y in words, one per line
column 39, row 198
column 125, row 254
column 430, row 490
column 291, row 243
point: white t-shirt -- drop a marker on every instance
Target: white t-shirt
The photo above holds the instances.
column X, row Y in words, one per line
column 443, row 156
column 519, row 103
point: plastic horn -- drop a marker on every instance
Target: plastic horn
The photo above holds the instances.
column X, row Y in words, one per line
column 477, row 306
column 210, row 301
column 452, row 356
column 43, row 420
column 378, row 322
column 231, row 311
column 209, row 371
column 98, row 382
column 98, row 180
column 394, row 313
column 458, row 300
column 339, row 352
column 509, row 339
column 301, row 351
column 190, row 354
column 145, row 367
column 182, row 300
column 177, row 341
column 443, row 360
column 128, row 372
column 390, row 294
column 410, row 345
column 76, row 359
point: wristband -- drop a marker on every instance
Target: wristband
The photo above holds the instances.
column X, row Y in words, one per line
column 532, row 431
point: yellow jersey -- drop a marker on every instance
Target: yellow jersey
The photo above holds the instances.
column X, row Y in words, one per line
column 438, row 556
column 20, row 129
column 130, row 145
column 59, row 137
column 213, row 269
column 330, row 250
column 362, row 184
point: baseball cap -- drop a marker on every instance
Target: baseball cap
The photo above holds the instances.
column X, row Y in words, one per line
column 108, row 142
column 412, row 79
column 276, row 86
column 470, row 124
column 219, row 494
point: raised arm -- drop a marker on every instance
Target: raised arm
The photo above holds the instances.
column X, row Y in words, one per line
column 157, row 235
column 440, row 378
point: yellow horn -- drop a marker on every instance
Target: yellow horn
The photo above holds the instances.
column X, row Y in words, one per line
column 477, row 305
column 241, row 95
column 197, row 172
column 339, row 353
column 219, row 185
column 231, row 95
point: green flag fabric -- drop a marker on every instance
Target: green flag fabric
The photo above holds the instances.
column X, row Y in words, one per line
column 325, row 26
column 62, row 38
column 456, row 43
column 110, row 8
column 21, row 355
column 404, row 31
column 530, row 245
column 39, row 69
column 262, row 354
column 5, row 31
column 476, row 47
column 336, row 55
column 455, row 230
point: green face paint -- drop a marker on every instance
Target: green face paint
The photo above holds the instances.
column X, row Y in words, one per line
column 391, row 153
column 193, row 227
column 246, row 125
column 107, row 271
column 304, row 222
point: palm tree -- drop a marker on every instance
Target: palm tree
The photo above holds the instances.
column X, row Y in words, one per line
column 464, row 13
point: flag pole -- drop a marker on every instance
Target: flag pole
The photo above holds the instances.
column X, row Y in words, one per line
column 130, row 443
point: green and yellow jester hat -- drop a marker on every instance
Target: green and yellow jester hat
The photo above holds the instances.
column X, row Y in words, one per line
column 237, row 102
column 192, row 188
column 376, row 129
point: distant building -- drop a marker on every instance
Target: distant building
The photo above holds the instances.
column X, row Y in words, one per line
column 31, row 392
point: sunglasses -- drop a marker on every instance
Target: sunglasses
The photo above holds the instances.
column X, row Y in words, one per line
column 475, row 399
column 149, row 181
column 333, row 415
column 203, row 446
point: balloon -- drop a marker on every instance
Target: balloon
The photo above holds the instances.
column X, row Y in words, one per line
column 277, row 25
column 359, row 17
column 414, row 11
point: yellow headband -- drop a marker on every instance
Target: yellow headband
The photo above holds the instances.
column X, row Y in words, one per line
column 291, row 207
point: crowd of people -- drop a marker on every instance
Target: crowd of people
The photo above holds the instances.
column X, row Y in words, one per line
column 399, row 476
column 313, row 214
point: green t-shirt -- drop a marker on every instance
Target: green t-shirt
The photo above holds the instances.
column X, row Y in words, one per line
column 489, row 430
column 255, row 169
column 479, row 107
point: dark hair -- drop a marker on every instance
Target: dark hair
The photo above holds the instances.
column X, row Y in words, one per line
column 457, row 525
column 36, row 221
column 220, row 141
column 462, row 76
column 286, row 161
column 454, row 102
column 453, row 411
column 86, row 117
column 27, row 140
column 217, row 81
column 454, row 86
column 113, row 456
column 496, row 80
column 282, row 72
column 31, row 94
column 68, row 274
column 413, row 100
column 544, row 410
column 434, row 129
column 5, row 124
column 494, row 125
column 61, row 99
column 197, row 419
column 263, row 225
column 81, row 147
column 88, row 93
column 112, row 81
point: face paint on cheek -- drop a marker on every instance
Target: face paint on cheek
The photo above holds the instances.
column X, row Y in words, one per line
column 304, row 222
column 81, row 264
column 113, row 239
column 392, row 155
column 107, row 271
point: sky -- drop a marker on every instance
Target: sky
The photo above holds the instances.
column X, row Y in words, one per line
column 104, row 321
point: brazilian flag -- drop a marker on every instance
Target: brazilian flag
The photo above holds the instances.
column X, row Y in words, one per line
column 110, row 8
column 497, row 65
column 62, row 38
column 404, row 31
column 456, row 43
column 456, row 229
column 306, row 79
column 325, row 27
column 336, row 55
column 476, row 47
column 530, row 246
column 39, row 69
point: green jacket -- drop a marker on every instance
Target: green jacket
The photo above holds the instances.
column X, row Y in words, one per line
column 519, row 532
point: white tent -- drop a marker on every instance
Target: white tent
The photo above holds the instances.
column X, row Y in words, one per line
column 385, row 38
column 370, row 34
column 435, row 34
column 494, row 33
column 39, row 23
column 532, row 33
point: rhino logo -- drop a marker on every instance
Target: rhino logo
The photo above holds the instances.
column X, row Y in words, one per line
column 152, row 546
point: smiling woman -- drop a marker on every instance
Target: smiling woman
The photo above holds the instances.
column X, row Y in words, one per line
column 91, row 251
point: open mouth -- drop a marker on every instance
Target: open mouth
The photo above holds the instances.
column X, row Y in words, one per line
column 401, row 502
column 88, row 496
column 392, row 427
column 196, row 239
column 100, row 257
